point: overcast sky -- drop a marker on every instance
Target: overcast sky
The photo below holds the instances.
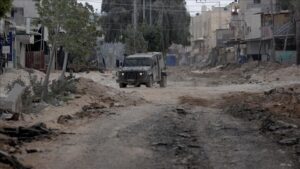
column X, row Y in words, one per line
column 192, row 5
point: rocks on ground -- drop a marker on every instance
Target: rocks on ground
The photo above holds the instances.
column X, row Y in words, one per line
column 12, row 139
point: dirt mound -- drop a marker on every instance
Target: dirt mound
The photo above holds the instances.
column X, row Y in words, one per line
column 251, row 72
column 109, row 96
column 281, row 101
column 193, row 101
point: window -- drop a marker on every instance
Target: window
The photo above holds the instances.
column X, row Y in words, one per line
column 17, row 12
column 256, row 1
column 132, row 62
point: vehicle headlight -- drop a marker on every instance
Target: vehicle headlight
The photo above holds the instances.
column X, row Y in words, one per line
column 141, row 74
column 122, row 74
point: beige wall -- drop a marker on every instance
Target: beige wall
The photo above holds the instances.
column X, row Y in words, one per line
column 196, row 28
column 219, row 20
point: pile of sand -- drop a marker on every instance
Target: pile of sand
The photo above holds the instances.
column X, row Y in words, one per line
column 107, row 95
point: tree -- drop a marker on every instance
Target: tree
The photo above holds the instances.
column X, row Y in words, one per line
column 134, row 41
column 153, row 36
column 70, row 25
column 170, row 18
column 5, row 6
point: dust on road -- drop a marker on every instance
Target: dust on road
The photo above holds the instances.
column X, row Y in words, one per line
column 181, row 126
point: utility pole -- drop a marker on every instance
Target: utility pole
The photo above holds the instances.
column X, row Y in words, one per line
column 134, row 22
column 298, row 33
column 162, row 30
column 150, row 13
column 273, row 31
column 144, row 11
column 220, row 19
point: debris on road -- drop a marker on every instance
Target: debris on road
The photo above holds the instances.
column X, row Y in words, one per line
column 9, row 115
column 64, row 119
column 194, row 101
column 281, row 101
column 12, row 161
column 181, row 111
column 27, row 133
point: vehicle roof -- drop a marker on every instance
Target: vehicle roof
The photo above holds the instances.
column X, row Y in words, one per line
column 143, row 55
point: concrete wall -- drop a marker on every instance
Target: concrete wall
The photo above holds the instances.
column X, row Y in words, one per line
column 217, row 14
column 253, row 23
column 196, row 27
column 111, row 52
column 29, row 7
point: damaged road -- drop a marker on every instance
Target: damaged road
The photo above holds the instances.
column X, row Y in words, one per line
column 164, row 136
column 187, row 125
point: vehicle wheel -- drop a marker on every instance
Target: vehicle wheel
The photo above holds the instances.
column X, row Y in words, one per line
column 139, row 85
column 163, row 82
column 122, row 85
column 150, row 83
column 1, row 71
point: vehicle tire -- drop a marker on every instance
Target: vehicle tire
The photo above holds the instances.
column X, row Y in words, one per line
column 163, row 82
column 122, row 85
column 1, row 71
column 139, row 85
column 150, row 82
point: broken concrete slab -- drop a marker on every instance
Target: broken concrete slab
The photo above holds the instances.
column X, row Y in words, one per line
column 13, row 102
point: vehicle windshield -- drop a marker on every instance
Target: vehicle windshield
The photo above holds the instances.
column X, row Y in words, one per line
column 137, row 62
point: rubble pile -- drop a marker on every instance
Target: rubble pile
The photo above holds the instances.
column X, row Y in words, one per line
column 251, row 72
column 9, row 115
column 276, row 112
column 194, row 101
column 284, row 101
column 12, row 138
column 92, row 110
column 105, row 95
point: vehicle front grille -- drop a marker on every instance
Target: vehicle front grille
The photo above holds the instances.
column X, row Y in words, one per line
column 131, row 75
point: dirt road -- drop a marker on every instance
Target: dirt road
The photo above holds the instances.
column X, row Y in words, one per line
column 164, row 134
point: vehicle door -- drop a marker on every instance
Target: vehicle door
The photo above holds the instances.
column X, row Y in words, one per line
column 155, row 68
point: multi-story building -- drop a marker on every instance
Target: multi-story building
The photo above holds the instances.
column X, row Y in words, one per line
column 203, row 29
column 25, row 40
column 266, row 28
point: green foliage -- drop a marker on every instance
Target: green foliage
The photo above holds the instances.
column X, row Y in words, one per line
column 37, row 85
column 63, row 87
column 5, row 6
column 71, row 25
column 152, row 35
column 27, row 100
column 170, row 22
column 134, row 41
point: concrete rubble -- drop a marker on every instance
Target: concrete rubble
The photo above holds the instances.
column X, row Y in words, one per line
column 13, row 101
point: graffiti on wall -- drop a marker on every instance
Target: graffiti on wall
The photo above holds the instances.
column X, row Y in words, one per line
column 286, row 57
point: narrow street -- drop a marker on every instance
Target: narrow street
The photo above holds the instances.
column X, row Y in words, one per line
column 149, row 84
column 165, row 134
